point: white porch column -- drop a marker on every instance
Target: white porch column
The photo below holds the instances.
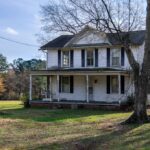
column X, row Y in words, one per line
column 87, row 88
column 50, row 87
column 58, row 87
column 30, row 88
column 119, row 83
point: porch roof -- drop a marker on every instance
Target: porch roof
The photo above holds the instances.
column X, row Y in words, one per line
column 80, row 71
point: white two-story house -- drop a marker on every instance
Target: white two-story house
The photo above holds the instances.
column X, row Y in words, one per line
column 89, row 67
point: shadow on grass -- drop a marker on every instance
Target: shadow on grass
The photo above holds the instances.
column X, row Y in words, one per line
column 112, row 136
column 56, row 115
column 118, row 139
column 112, row 139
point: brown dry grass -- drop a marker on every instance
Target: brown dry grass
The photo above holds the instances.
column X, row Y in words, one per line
column 44, row 129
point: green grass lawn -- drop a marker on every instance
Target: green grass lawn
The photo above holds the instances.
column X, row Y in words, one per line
column 45, row 129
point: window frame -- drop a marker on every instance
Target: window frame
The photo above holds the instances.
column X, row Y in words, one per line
column 65, row 66
column 119, row 56
column 62, row 84
column 87, row 58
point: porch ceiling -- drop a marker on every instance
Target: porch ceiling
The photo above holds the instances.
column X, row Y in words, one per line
column 81, row 71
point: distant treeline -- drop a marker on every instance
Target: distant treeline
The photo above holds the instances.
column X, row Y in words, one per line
column 14, row 78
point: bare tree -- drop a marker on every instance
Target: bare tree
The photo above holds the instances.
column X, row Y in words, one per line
column 72, row 15
column 114, row 16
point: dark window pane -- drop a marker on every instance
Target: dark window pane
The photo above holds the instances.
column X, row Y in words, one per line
column 114, row 84
column 65, row 84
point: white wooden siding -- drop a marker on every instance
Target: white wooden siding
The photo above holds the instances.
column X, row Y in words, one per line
column 52, row 58
column 99, row 90
column 77, row 58
column 79, row 89
column 91, row 37
column 102, row 57
column 138, row 53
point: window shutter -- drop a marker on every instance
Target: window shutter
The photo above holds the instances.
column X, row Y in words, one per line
column 71, row 58
column 108, row 57
column 96, row 57
column 59, row 58
column 83, row 58
column 60, row 81
column 71, row 84
column 108, row 84
column 122, row 56
column 122, row 84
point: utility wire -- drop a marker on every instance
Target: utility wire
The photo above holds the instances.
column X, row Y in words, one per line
column 18, row 42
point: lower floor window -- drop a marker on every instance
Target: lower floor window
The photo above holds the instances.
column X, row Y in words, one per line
column 114, row 84
column 65, row 85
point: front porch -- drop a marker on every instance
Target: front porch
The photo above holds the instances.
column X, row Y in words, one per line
column 87, row 87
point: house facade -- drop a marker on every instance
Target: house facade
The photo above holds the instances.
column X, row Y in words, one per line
column 90, row 67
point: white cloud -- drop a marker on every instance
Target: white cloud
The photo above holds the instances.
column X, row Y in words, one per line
column 11, row 31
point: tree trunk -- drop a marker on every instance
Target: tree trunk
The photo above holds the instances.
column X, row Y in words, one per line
column 141, row 78
column 140, row 113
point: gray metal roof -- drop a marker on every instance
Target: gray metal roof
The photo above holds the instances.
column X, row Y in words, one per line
column 86, row 69
column 59, row 69
column 58, row 42
column 135, row 38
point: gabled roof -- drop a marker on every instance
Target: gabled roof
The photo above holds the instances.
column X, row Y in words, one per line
column 59, row 42
column 84, row 33
column 135, row 38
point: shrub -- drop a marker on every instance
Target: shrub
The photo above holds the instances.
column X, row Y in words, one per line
column 25, row 100
column 23, row 97
column 130, row 100
column 128, row 104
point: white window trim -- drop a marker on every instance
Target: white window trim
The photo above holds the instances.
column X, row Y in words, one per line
column 93, row 58
column 119, row 58
column 62, row 63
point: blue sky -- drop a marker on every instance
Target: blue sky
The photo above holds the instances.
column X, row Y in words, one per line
column 20, row 20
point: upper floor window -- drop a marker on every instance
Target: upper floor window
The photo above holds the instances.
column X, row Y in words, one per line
column 115, row 58
column 90, row 58
column 65, row 58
